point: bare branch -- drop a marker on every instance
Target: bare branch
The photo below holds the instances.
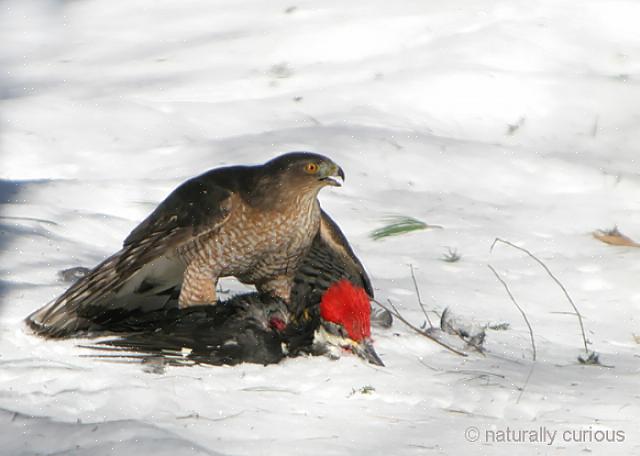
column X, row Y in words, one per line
column 394, row 311
column 515, row 303
column 430, row 367
column 526, row 383
column 564, row 290
column 415, row 285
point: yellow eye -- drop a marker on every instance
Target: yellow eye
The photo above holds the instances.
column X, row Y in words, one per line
column 311, row 168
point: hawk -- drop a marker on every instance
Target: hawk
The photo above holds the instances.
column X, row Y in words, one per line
column 256, row 223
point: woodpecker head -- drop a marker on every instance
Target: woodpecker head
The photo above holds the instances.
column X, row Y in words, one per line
column 345, row 314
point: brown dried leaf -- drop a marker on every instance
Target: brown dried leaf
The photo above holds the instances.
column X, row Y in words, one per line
column 614, row 237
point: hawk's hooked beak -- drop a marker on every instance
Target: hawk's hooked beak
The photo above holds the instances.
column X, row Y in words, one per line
column 330, row 175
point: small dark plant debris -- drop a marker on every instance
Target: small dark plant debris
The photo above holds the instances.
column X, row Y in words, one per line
column 451, row 256
column 513, row 128
column 381, row 318
column 367, row 389
column 281, row 71
column 472, row 334
column 591, row 359
column 502, row 326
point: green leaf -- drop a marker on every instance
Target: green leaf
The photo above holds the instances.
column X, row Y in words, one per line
column 398, row 226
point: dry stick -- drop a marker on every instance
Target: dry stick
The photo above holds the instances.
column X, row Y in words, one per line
column 513, row 300
column 396, row 313
column 415, row 285
column 566, row 293
column 526, row 320
column 526, row 382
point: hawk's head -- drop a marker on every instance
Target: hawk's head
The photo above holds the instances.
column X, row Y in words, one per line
column 304, row 172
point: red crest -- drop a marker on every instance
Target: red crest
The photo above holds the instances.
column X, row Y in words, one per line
column 348, row 306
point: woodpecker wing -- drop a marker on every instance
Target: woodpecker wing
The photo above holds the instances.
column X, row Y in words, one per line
column 235, row 331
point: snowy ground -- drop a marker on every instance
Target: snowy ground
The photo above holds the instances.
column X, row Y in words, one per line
column 505, row 118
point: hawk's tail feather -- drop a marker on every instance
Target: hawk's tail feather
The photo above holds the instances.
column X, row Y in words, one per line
column 72, row 325
column 63, row 317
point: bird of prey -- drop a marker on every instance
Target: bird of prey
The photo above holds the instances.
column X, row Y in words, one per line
column 256, row 223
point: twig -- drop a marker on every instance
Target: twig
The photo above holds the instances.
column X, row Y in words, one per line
column 515, row 303
column 526, row 382
column 476, row 372
column 394, row 311
column 594, row 129
column 197, row 416
column 415, row 285
column 430, row 367
column 564, row 290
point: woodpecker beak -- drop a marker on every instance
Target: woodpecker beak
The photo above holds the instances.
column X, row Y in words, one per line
column 366, row 351
column 333, row 345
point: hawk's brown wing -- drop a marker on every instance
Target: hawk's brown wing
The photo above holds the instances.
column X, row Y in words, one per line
column 333, row 238
column 197, row 207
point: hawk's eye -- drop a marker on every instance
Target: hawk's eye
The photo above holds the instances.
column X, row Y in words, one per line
column 311, row 168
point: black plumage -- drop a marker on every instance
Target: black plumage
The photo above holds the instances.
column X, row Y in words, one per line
column 246, row 328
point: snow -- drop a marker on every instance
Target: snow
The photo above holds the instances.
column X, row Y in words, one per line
column 503, row 118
